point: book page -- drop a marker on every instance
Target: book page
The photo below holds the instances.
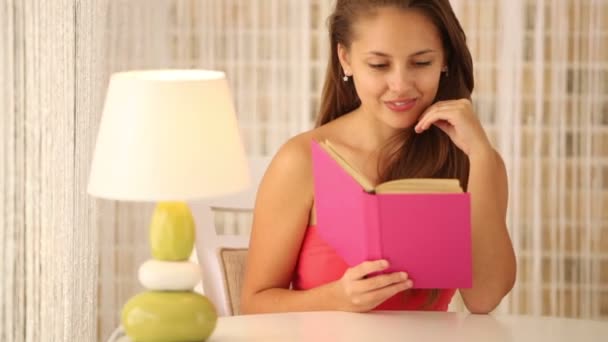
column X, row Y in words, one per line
column 358, row 176
column 420, row 185
column 410, row 185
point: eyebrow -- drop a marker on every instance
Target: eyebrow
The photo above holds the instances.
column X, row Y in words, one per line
column 382, row 54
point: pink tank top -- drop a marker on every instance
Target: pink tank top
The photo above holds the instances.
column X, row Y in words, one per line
column 318, row 264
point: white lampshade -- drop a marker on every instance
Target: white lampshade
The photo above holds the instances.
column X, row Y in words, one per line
column 168, row 135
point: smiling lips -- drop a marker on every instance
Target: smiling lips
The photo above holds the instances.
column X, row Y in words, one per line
column 401, row 105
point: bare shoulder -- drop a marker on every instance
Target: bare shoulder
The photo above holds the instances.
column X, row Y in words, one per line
column 293, row 159
column 503, row 182
column 500, row 164
column 295, row 154
column 290, row 171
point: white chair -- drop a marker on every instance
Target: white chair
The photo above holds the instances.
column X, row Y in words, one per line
column 222, row 256
column 214, row 251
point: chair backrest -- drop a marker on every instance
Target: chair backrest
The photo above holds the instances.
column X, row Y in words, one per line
column 222, row 256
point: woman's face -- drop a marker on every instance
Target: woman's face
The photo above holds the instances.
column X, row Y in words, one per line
column 395, row 59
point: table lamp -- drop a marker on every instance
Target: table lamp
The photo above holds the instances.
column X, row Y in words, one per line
column 168, row 136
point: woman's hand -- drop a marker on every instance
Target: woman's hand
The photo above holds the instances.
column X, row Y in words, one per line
column 357, row 293
column 457, row 119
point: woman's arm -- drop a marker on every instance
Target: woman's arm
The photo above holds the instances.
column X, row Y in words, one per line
column 493, row 257
column 280, row 220
column 494, row 265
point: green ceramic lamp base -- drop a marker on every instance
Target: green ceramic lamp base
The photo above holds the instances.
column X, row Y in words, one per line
column 170, row 316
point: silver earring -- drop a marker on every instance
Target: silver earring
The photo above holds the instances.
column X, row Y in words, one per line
column 345, row 78
column 445, row 70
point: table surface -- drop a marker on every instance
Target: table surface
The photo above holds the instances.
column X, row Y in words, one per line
column 405, row 326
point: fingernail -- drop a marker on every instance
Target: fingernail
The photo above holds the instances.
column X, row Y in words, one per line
column 384, row 263
column 403, row 275
column 409, row 283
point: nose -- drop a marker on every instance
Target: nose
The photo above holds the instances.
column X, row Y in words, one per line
column 400, row 80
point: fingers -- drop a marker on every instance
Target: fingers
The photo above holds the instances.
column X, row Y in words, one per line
column 379, row 296
column 445, row 126
column 365, row 268
column 363, row 294
column 434, row 116
column 380, row 281
column 442, row 110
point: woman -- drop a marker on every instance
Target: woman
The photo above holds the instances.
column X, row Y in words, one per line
column 396, row 104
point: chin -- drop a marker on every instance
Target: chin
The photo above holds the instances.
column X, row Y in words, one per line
column 402, row 122
column 396, row 125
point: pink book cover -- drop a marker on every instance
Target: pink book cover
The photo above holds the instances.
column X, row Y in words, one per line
column 426, row 235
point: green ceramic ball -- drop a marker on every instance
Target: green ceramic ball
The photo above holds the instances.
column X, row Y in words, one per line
column 172, row 232
column 156, row 316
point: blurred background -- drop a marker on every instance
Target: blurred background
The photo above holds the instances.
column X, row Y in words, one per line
column 541, row 72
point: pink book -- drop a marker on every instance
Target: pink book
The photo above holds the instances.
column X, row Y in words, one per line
column 427, row 235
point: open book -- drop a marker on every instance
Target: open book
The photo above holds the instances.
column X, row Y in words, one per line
column 421, row 226
column 413, row 185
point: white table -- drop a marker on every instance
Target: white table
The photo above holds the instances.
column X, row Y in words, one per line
column 405, row 326
column 410, row 326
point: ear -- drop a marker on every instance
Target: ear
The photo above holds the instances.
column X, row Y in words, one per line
column 344, row 57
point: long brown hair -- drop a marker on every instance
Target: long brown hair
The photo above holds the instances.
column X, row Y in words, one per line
column 408, row 155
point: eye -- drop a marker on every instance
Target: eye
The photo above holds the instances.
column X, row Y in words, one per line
column 422, row 64
column 378, row 66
